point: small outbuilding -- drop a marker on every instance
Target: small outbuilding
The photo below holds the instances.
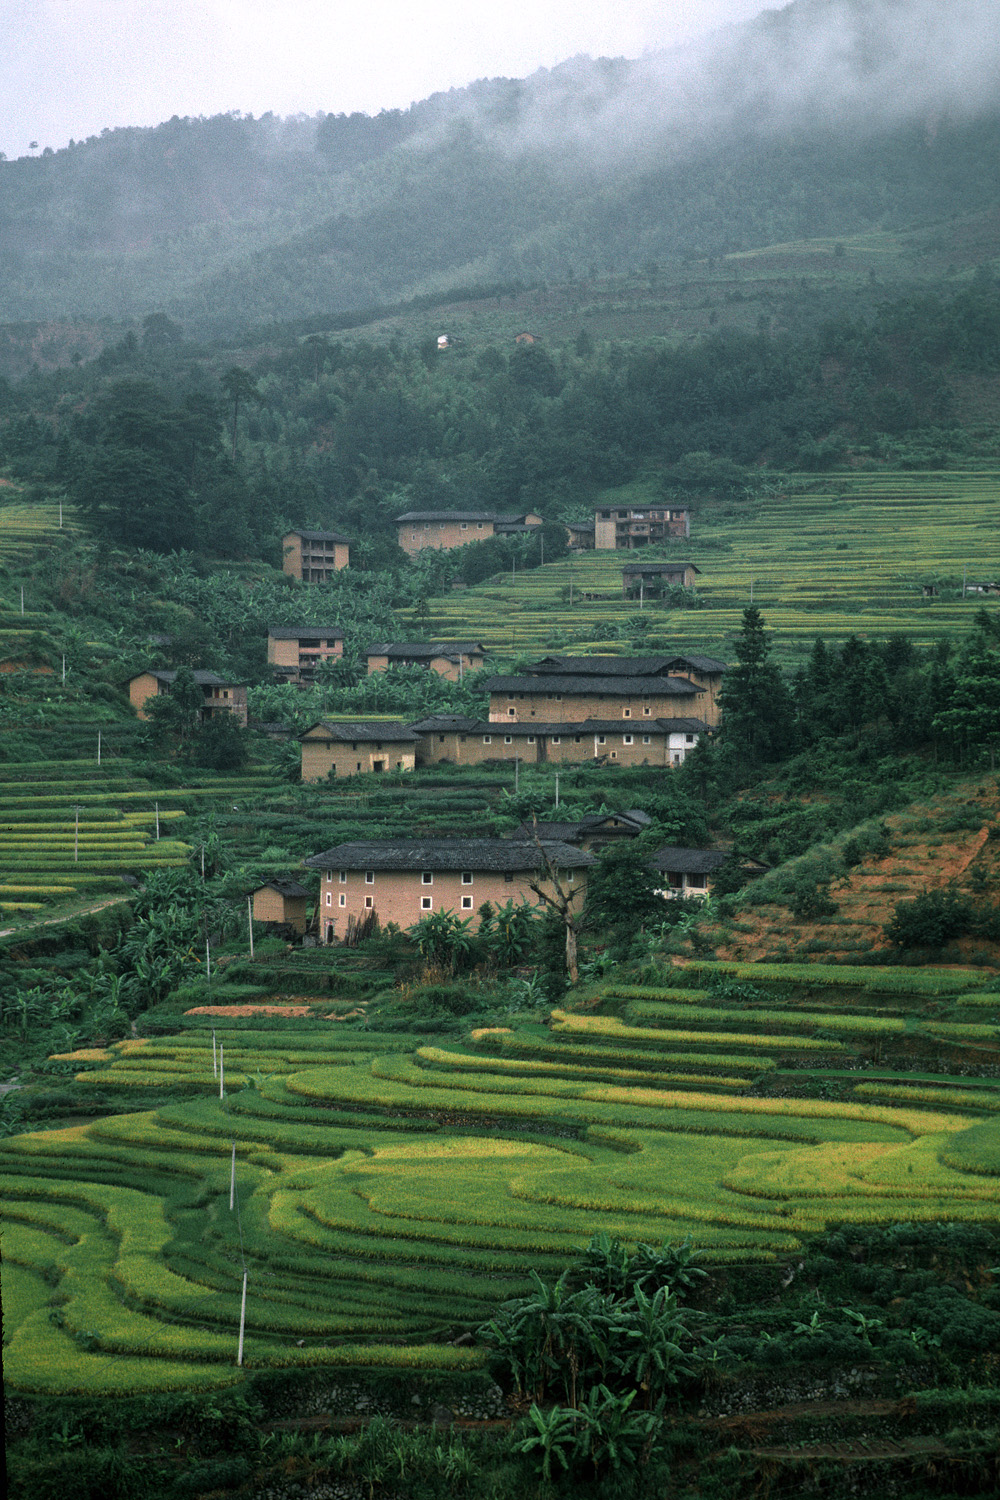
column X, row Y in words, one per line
column 356, row 747
column 653, row 578
column 281, row 903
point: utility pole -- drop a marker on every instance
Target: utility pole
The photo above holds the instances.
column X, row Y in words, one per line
column 243, row 1317
column 98, row 747
column 250, row 921
column 557, row 789
column 516, row 770
column 157, row 806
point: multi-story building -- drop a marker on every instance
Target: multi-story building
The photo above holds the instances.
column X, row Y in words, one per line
column 219, row 696
column 295, row 651
column 630, row 526
column 451, row 659
column 314, row 556
column 402, row 880
column 459, row 741
column 571, row 689
column 356, row 748
column 418, row 529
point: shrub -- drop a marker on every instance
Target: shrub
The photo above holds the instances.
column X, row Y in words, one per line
column 930, row 920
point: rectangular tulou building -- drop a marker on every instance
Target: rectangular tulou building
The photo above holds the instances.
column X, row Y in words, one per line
column 403, row 880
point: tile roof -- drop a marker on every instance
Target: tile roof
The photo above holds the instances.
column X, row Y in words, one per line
column 425, row 648
column 630, row 666
column 357, row 731
column 687, row 861
column 319, row 536
column 304, row 632
column 285, row 887
column 617, row 684
column 445, row 515
column 445, row 855
column 655, row 569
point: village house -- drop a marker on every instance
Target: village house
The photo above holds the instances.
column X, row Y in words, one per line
column 592, row 831
column 688, row 872
column 356, row 748
column 455, row 740
column 220, row 696
column 295, row 651
column 450, row 659
column 417, row 529
column 403, row 880
column 580, row 536
column 648, row 579
column 570, row 689
column 314, row 556
column 281, row 903
column 632, row 526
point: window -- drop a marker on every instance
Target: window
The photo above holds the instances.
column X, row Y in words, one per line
column 697, row 882
column 689, row 739
column 556, row 740
column 626, row 713
column 645, row 739
column 531, row 739
column 508, row 739
column 601, row 739
column 466, row 903
column 343, row 899
column 645, row 710
column 627, row 739
column 329, row 899
column 466, row 877
column 369, row 877
column 343, row 877
column 479, row 525
column 426, row 903
column 440, row 739
column 329, row 877
column 465, row 525
column 512, row 712
column 508, row 880
column 570, row 876
column 369, row 903
column 487, row 739
column 427, row 877
column 578, row 739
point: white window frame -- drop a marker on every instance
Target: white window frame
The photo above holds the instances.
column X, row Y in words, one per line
column 329, row 898
column 427, row 903
column 369, row 903
column 466, row 903
column 343, row 877
column 427, row 877
column 369, row 877
column 343, row 899
column 487, row 739
column 467, row 877
column 628, row 739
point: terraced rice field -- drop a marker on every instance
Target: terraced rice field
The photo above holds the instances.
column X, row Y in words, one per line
column 850, row 556
column 391, row 1189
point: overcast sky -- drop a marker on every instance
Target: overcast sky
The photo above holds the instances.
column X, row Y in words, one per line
column 71, row 68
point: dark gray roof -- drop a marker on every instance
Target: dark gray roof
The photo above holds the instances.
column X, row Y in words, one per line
column 635, row 821
column 420, row 649
column 304, row 632
column 500, row 855
column 616, row 684
column 457, row 724
column 687, row 861
column 579, row 525
column 446, row 515
column 356, row 731
column 284, row 887
column 626, row 666
column 319, row 536
column 653, row 570
column 201, row 677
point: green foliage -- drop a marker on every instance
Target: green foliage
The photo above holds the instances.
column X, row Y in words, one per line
column 930, row 920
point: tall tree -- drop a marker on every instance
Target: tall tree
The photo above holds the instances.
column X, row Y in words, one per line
column 757, row 722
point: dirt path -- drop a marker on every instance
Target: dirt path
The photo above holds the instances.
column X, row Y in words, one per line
column 83, row 911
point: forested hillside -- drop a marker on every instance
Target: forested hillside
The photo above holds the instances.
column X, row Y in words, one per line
column 591, row 167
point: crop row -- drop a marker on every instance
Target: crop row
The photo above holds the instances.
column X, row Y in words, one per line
column 811, row 1020
column 564, row 1021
